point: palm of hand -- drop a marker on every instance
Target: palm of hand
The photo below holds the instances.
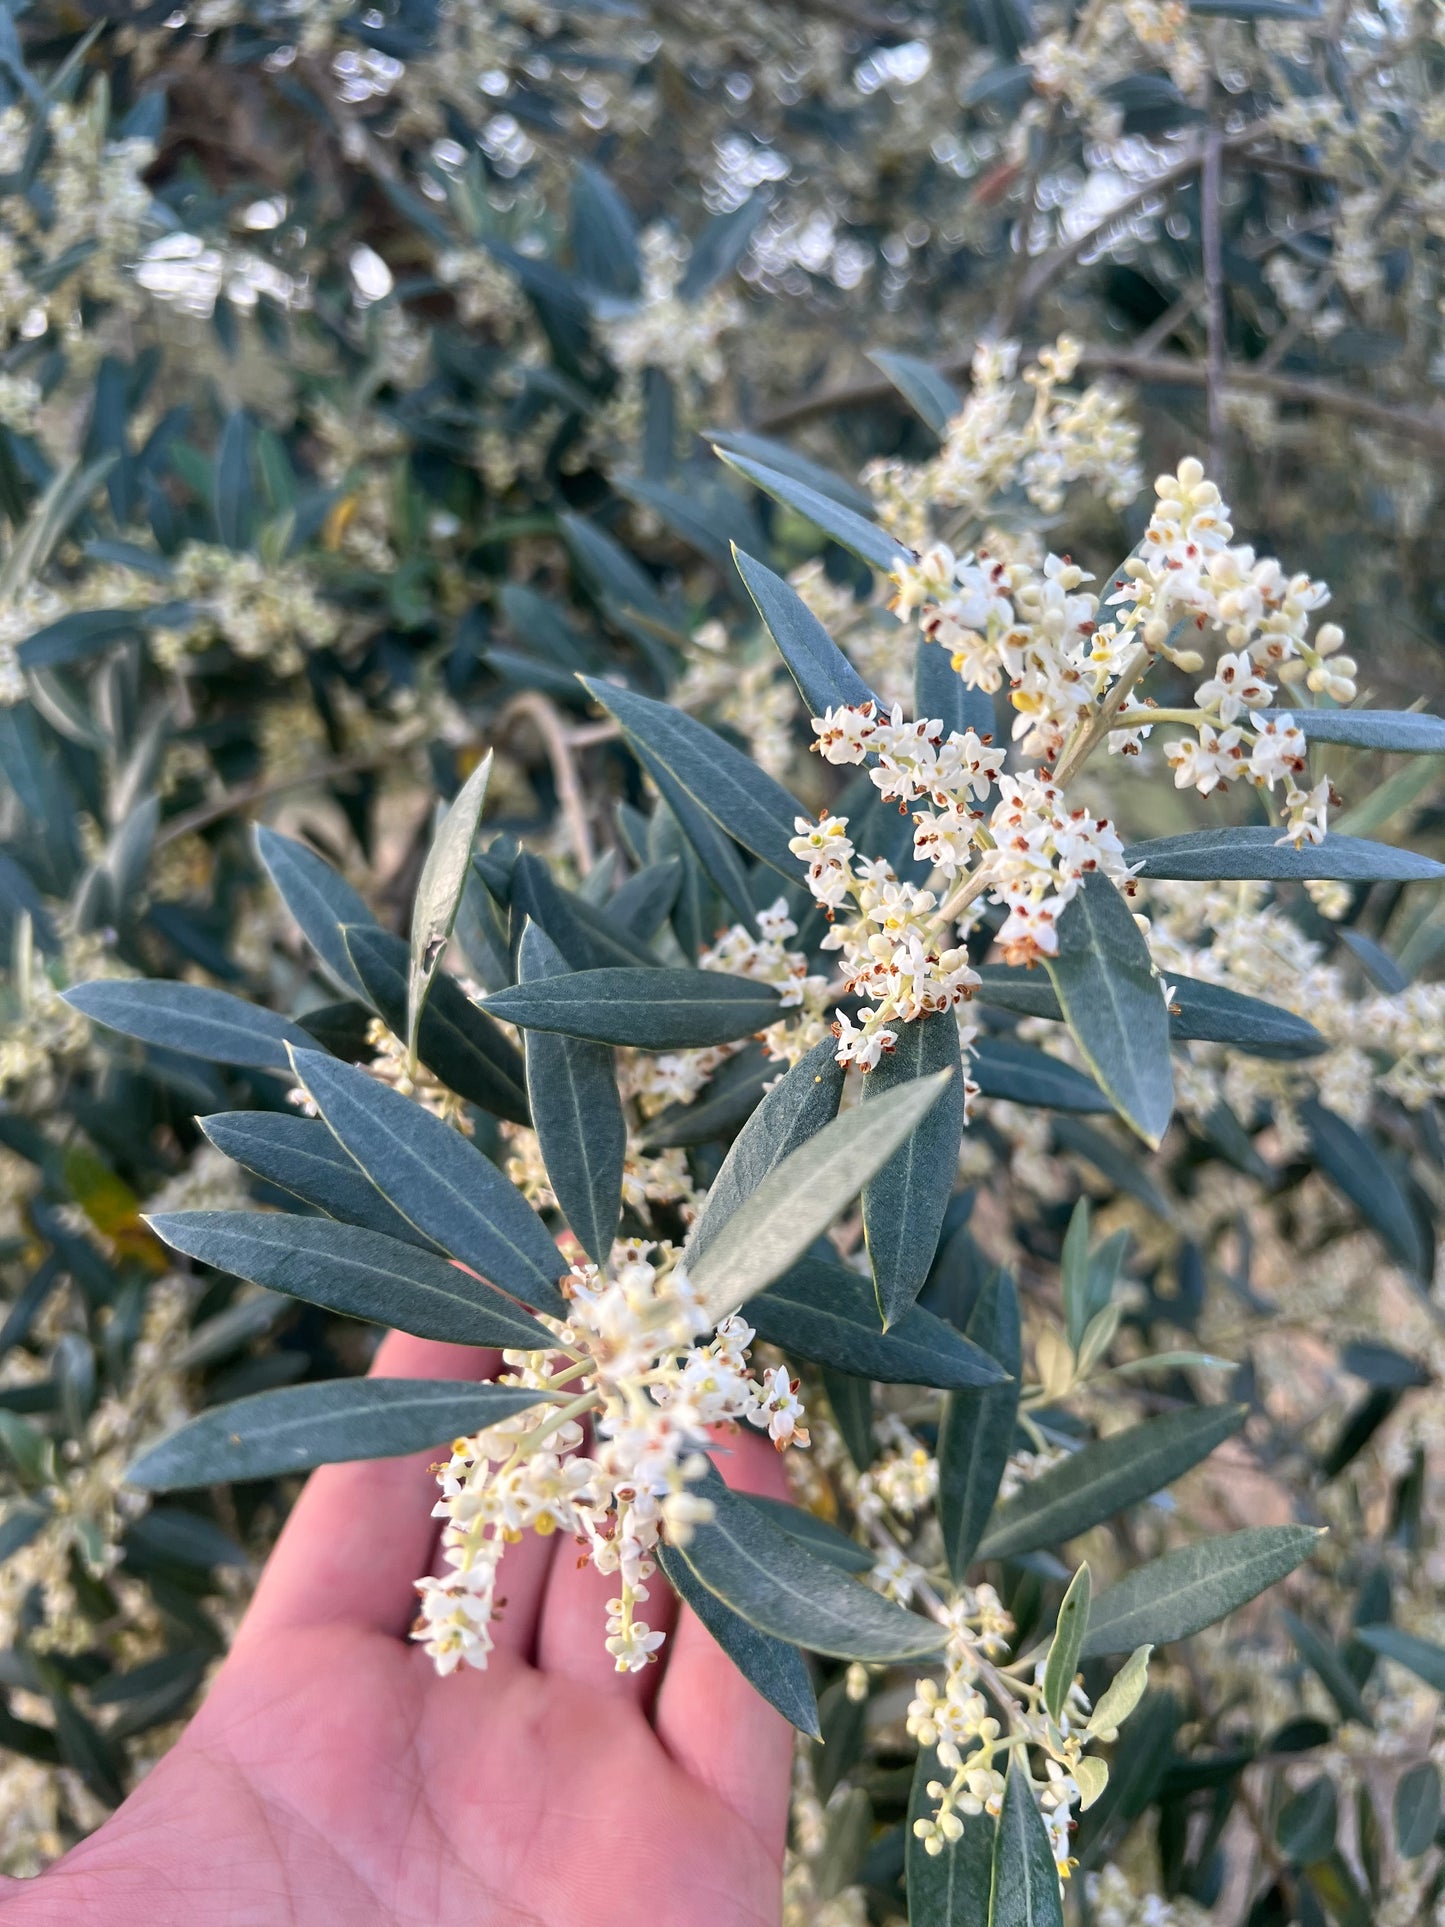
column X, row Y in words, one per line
column 332, row 1778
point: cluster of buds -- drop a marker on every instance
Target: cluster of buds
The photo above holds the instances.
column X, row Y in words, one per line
column 963, row 1718
column 903, row 946
column 1070, row 665
column 628, row 1364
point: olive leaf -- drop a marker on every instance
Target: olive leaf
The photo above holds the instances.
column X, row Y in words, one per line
column 439, row 893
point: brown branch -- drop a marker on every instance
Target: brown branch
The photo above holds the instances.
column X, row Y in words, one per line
column 1165, row 370
column 558, row 742
column 263, row 789
column 1212, row 252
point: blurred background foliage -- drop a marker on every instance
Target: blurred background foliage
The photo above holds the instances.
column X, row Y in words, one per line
column 357, row 368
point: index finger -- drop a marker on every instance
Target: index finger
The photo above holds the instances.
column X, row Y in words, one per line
column 360, row 1533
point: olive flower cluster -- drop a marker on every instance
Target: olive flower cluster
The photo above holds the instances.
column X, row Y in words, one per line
column 628, row 1361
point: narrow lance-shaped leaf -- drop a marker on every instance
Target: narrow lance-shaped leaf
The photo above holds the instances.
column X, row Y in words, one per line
column 1421, row 1656
column 1417, row 1809
column 585, row 938
column 1114, row 1005
column 800, row 1197
column 771, row 1666
column 932, row 395
column 771, row 1582
column 439, row 893
column 301, row 1426
column 649, row 1009
column 1023, row 1075
column 1254, row 850
column 949, row 1888
column 741, row 799
column 357, row 1272
column 303, row 1157
column 321, row 902
column 192, row 1018
column 1063, row 1657
column 1199, row 1011
column 977, row 1433
column 795, row 1109
column 1172, row 1597
column 1104, row 1477
column 814, row 1534
column 1354, row 1165
column 825, row 677
column 437, row 1180
column 459, row 1042
column 905, row 1199
column 1413, row 731
column 822, row 1312
column 1024, row 1891
column 941, row 694
column 576, row 1113
column 864, row 539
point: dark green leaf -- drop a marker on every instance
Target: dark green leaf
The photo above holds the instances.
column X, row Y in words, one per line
column 864, row 539
column 827, row 1314
column 643, row 903
column 189, row 1017
column 903, row 1205
column 1417, row 1809
column 815, row 1534
column 1074, row 1277
column 977, row 1433
column 771, row 1666
column 800, row 1197
column 1023, row 1075
column 850, row 1399
column 1103, row 1478
column 930, row 394
column 576, row 1113
column 586, row 938
column 1199, row 1011
column 1424, row 1659
column 787, row 461
column 1352, row 1163
column 651, row 1009
column 84, row 632
column 721, row 246
column 688, row 757
column 1206, row 856
column 357, row 1272
column 1306, row 1826
column 948, row 1889
column 320, row 901
column 1024, row 1889
column 459, row 1042
column 1322, row 1659
column 1412, row 730
column 233, row 501
column 825, row 677
column 941, row 694
column 168, row 1535
column 767, row 1578
column 604, row 234
column 725, row 1103
column 439, row 893
column 795, row 1109
column 300, row 1426
column 1177, row 1595
column 301, row 1155
column 436, row 1179
column 1114, row 1005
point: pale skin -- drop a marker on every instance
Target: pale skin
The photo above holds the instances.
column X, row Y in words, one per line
column 331, row 1779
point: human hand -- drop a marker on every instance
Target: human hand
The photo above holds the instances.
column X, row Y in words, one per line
column 331, row 1779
